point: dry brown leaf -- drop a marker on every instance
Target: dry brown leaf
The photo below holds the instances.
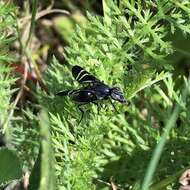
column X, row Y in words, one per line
column 114, row 187
column 185, row 180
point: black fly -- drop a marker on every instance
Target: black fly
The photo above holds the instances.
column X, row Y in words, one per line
column 93, row 91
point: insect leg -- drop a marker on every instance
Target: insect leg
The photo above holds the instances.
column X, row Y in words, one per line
column 113, row 105
column 82, row 112
column 98, row 106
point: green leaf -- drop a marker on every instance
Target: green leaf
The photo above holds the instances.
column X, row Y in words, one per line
column 107, row 10
column 161, row 143
column 143, row 80
column 170, row 179
column 10, row 166
column 42, row 176
column 34, row 181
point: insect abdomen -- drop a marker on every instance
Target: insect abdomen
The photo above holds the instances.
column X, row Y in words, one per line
column 84, row 96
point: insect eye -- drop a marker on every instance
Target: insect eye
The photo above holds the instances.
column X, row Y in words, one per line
column 115, row 95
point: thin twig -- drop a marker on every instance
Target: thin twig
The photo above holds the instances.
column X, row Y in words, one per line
column 41, row 14
column 17, row 98
column 33, row 18
column 104, row 182
column 108, row 184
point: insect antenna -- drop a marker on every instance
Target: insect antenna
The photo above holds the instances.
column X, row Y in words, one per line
column 82, row 112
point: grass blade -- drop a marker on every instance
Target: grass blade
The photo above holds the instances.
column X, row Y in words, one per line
column 159, row 148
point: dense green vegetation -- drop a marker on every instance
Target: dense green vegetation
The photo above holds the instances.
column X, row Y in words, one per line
column 140, row 46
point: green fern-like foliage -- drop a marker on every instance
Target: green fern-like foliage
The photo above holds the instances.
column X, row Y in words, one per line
column 128, row 47
column 109, row 145
column 7, row 23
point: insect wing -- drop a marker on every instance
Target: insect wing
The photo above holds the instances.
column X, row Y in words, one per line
column 83, row 76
